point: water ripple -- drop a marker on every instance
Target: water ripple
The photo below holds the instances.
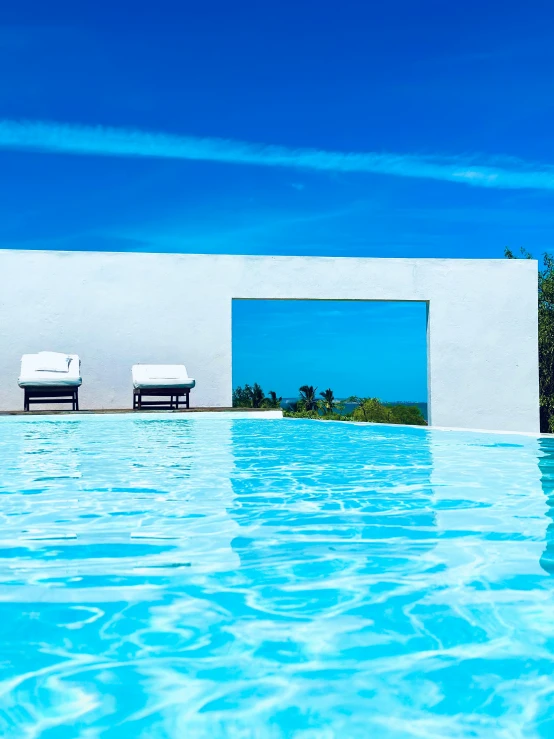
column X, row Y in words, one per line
column 190, row 577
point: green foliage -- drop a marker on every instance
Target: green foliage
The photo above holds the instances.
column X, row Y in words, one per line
column 329, row 402
column 546, row 338
column 308, row 400
column 407, row 414
column 371, row 410
column 301, row 413
column 329, row 408
column 368, row 410
column 242, row 397
column 253, row 397
column 272, row 401
column 258, row 396
column 316, row 415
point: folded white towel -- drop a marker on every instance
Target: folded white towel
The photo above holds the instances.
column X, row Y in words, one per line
column 51, row 362
column 31, row 376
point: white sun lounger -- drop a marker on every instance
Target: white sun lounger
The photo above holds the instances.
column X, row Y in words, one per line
column 50, row 377
column 162, row 381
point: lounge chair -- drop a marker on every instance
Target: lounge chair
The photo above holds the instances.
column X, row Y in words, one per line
column 162, row 381
column 50, row 377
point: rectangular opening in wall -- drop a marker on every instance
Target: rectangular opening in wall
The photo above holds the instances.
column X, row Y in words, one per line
column 361, row 349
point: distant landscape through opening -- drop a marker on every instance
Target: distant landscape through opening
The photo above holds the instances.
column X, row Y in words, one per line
column 372, row 349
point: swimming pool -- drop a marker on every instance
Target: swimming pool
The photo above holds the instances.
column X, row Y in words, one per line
column 179, row 577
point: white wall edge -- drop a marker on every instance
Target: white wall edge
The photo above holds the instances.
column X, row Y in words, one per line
column 149, row 416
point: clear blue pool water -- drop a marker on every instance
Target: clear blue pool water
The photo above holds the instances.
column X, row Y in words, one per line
column 199, row 577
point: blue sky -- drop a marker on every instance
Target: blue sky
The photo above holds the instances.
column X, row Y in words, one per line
column 376, row 348
column 352, row 129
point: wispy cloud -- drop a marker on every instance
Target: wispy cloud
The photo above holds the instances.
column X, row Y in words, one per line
column 502, row 173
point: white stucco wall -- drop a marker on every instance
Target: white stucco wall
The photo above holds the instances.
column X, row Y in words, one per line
column 116, row 309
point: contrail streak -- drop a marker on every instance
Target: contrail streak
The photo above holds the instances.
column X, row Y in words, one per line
column 62, row 138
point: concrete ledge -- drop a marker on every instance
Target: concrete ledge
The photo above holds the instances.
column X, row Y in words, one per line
column 454, row 429
column 229, row 412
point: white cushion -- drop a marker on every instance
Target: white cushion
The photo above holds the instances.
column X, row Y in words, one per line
column 161, row 375
column 32, row 376
column 50, row 361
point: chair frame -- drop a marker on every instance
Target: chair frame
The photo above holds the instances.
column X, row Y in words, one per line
column 172, row 393
column 35, row 394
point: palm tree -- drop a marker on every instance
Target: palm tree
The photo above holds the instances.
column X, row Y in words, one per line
column 257, row 396
column 329, row 402
column 272, row 401
column 308, row 397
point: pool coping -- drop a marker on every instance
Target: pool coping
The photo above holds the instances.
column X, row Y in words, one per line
column 251, row 413
column 208, row 413
column 457, row 429
column 258, row 412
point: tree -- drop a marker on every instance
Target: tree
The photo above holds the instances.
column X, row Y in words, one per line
column 329, row 402
column 242, row 397
column 248, row 396
column 371, row 410
column 546, row 339
column 258, row 396
column 308, row 398
column 272, row 401
column 407, row 414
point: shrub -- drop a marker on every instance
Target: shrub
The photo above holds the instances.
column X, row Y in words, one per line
column 253, row 397
column 546, row 339
column 408, row 414
column 242, row 397
column 371, row 410
column 314, row 415
column 272, row 401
